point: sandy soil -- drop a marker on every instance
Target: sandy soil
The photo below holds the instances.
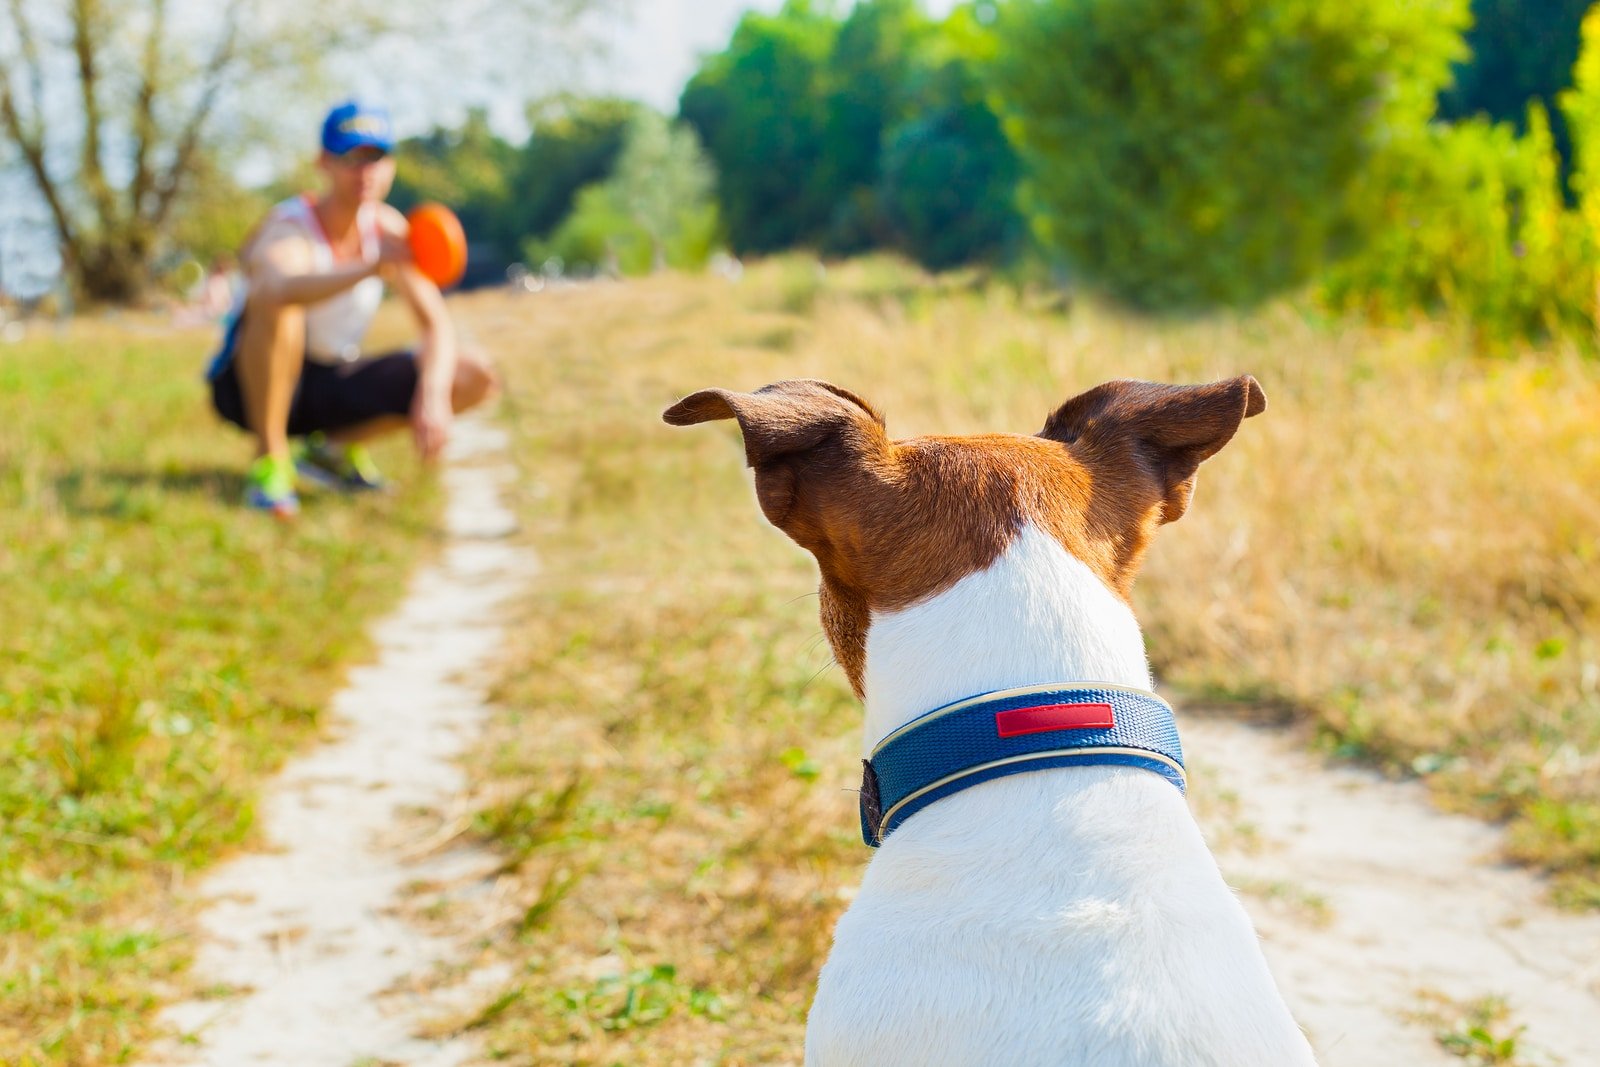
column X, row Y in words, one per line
column 1369, row 901
column 313, row 965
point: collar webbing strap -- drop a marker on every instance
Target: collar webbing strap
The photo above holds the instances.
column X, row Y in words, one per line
column 1009, row 732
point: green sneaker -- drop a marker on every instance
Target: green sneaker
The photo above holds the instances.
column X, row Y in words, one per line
column 347, row 468
column 270, row 487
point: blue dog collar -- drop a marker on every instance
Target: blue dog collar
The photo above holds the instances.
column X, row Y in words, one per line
column 1010, row 732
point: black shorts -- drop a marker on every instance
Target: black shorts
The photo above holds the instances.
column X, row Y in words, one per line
column 331, row 396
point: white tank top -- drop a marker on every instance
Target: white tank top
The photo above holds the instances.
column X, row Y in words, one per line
column 335, row 326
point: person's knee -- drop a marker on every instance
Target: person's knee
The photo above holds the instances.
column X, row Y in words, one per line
column 271, row 328
column 476, row 380
column 261, row 304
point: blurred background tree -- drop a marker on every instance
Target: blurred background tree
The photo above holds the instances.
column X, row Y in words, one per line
column 661, row 175
column 1187, row 153
column 1175, row 154
column 1519, row 53
column 760, row 108
column 468, row 168
column 845, row 134
column 654, row 211
column 948, row 176
column 574, row 143
column 867, row 90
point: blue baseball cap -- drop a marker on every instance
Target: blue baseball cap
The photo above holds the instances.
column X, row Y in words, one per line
column 357, row 124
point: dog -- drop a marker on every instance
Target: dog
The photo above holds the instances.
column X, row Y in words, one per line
column 1040, row 895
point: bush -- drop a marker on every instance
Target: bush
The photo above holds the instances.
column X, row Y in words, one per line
column 1470, row 221
column 1187, row 153
column 654, row 211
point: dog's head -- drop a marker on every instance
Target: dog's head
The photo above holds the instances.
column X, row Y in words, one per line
column 893, row 522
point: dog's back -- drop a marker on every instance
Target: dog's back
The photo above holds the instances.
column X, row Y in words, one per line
column 1098, row 934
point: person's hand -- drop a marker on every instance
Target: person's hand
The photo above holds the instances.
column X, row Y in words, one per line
column 393, row 250
column 431, row 417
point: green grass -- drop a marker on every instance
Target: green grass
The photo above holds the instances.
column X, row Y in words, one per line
column 161, row 649
column 1480, row 1032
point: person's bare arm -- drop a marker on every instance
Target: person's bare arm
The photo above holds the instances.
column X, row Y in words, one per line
column 279, row 265
column 431, row 410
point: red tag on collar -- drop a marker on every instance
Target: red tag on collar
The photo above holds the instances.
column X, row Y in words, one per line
column 1047, row 717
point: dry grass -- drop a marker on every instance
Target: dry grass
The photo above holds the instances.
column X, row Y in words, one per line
column 1401, row 551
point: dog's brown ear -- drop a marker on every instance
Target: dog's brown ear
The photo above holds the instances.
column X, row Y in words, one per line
column 1174, row 427
column 784, row 420
column 777, row 419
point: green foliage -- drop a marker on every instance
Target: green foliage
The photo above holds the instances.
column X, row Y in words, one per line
column 1581, row 106
column 948, row 175
column 760, row 109
column 661, row 174
column 1520, row 52
column 869, row 89
column 506, row 194
column 868, row 132
column 466, row 169
column 574, row 143
column 1186, row 153
column 655, row 210
column 1471, row 222
column 1476, row 1031
column 597, row 236
column 641, row 998
column 1469, row 219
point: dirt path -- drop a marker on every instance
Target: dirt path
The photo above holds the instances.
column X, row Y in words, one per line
column 1369, row 901
column 304, row 942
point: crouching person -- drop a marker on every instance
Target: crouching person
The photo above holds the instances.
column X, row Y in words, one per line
column 291, row 364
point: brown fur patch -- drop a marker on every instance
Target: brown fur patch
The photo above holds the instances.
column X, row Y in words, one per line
column 894, row 522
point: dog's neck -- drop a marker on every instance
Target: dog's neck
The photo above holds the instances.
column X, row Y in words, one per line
column 1034, row 616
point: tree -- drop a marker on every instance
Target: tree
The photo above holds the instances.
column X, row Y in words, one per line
column 467, row 169
column 947, row 175
column 867, row 84
column 661, row 174
column 655, row 210
column 1581, row 106
column 114, row 105
column 760, row 110
column 574, row 143
column 1186, row 153
column 1519, row 52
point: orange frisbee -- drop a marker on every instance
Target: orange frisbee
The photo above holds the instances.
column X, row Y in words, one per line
column 438, row 243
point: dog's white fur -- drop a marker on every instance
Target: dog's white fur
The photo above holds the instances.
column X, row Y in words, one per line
column 1088, row 891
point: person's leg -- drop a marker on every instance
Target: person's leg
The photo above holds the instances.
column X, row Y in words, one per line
column 366, row 431
column 271, row 350
column 475, row 381
column 342, row 406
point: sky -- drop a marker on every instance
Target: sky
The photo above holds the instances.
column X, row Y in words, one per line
column 656, row 50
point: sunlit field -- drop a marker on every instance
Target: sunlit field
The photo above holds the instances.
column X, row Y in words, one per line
column 161, row 650
column 1400, row 555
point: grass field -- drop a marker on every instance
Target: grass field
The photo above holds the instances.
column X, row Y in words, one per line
column 160, row 651
column 1401, row 555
